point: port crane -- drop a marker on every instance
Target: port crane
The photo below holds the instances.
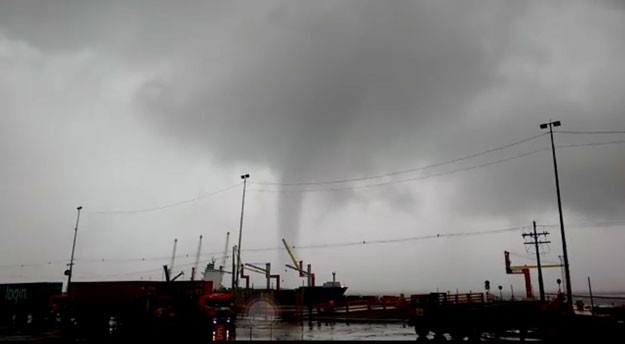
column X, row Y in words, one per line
column 168, row 270
column 197, row 260
column 525, row 271
column 265, row 271
column 173, row 257
column 298, row 266
column 225, row 256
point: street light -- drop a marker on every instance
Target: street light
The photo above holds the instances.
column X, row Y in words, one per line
column 239, row 266
column 567, row 273
column 71, row 261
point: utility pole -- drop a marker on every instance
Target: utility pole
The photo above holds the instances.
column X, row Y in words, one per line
column 71, row 261
column 535, row 241
column 592, row 304
column 239, row 265
column 567, row 272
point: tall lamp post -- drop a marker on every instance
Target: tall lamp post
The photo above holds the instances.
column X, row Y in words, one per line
column 71, row 261
column 239, row 266
column 567, row 273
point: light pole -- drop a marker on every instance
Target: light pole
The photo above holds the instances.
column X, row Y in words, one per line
column 71, row 261
column 239, row 266
column 567, row 273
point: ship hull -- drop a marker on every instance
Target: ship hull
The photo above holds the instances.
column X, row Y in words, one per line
column 288, row 303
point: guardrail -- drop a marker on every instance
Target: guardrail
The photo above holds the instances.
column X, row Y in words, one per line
column 385, row 302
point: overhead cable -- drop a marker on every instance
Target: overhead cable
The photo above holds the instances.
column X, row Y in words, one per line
column 405, row 179
column 390, row 174
column 168, row 205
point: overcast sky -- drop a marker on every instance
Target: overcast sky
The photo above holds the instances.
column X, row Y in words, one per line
column 361, row 123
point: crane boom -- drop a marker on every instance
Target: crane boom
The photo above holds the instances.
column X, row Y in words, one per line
column 293, row 267
column 265, row 271
column 223, row 259
column 197, row 259
column 518, row 267
column 525, row 271
column 252, row 267
column 299, row 266
column 290, row 253
column 173, row 258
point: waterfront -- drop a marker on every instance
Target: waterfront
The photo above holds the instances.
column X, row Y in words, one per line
column 264, row 330
column 267, row 330
column 279, row 331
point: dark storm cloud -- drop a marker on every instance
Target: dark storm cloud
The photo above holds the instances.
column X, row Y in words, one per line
column 320, row 90
column 343, row 89
column 557, row 68
column 308, row 86
column 326, row 90
column 132, row 28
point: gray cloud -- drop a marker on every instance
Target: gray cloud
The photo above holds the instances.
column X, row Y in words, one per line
column 322, row 90
column 309, row 81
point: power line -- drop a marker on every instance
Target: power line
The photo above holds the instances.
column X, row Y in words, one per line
column 318, row 246
column 121, row 274
column 315, row 246
column 141, row 272
column 382, row 175
column 388, row 241
column 390, row 174
column 340, row 188
column 525, row 257
column 591, row 144
column 144, row 259
column 406, row 179
column 590, row 132
column 593, row 224
column 168, row 205
column 30, row 265
column 353, row 243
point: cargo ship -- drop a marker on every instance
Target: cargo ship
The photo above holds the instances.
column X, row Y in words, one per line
column 284, row 303
column 280, row 302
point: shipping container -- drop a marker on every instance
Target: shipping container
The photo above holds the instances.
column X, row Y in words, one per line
column 25, row 305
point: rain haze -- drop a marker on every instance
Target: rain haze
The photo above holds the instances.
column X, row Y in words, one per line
column 396, row 143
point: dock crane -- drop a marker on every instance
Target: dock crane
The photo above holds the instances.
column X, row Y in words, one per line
column 225, row 256
column 170, row 269
column 525, row 271
column 197, row 260
column 266, row 271
column 298, row 266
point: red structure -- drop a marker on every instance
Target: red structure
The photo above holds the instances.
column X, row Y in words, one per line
column 525, row 271
column 142, row 310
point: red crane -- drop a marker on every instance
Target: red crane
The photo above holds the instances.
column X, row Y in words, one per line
column 525, row 271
